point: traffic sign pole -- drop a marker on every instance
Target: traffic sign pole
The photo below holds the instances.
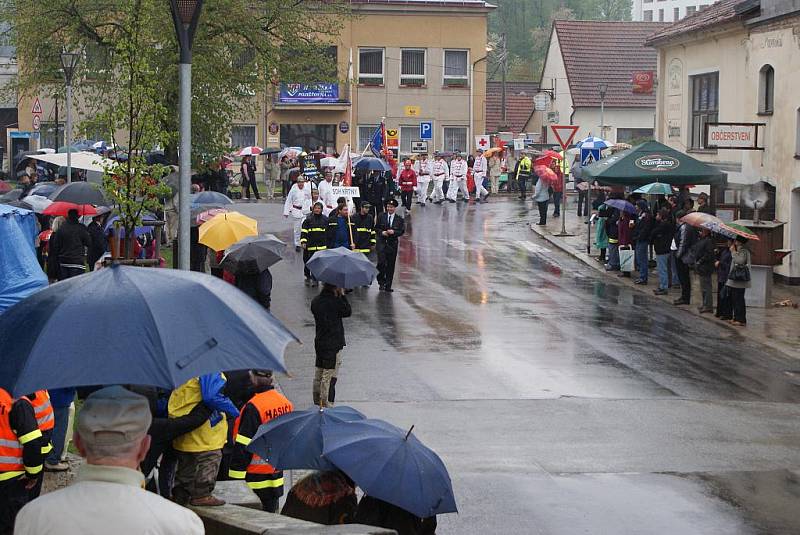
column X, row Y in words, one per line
column 570, row 131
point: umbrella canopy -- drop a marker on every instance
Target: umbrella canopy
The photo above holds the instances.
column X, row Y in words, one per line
column 45, row 189
column 490, row 151
column 291, row 152
column 293, row 441
column 372, row 164
column 12, row 195
column 703, row 220
column 545, row 173
column 271, row 151
column 5, row 187
column 253, row 254
column 329, row 162
column 390, row 464
column 621, row 205
column 594, row 143
column 209, row 197
column 37, row 203
column 20, row 272
column 732, row 230
column 62, row 208
column 79, row 193
column 138, row 231
column 134, row 325
column 88, row 161
column 652, row 162
column 207, row 215
column 342, row 267
column 224, row 230
column 655, row 188
column 250, row 151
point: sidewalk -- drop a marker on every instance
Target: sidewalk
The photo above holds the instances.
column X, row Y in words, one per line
column 776, row 327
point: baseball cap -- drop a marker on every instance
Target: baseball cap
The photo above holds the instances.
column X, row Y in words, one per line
column 113, row 416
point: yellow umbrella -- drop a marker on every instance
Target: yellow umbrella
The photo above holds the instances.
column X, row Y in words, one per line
column 223, row 230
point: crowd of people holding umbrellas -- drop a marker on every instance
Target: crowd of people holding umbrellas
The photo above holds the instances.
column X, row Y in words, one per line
column 199, row 352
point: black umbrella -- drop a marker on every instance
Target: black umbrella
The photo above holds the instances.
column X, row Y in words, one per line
column 79, row 193
column 13, row 195
column 253, row 254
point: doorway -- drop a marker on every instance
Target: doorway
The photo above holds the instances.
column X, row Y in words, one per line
column 309, row 136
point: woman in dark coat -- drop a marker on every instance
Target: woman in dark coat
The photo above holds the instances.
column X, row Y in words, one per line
column 327, row 497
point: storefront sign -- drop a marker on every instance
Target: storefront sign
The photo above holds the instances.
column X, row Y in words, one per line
column 642, row 82
column 344, row 127
column 657, row 163
column 309, row 93
column 741, row 136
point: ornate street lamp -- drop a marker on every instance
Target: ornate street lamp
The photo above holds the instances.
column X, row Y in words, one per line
column 69, row 63
column 185, row 16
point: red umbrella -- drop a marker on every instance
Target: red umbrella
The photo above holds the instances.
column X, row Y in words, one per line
column 61, row 208
column 5, row 187
column 202, row 217
column 545, row 173
column 553, row 155
column 251, row 151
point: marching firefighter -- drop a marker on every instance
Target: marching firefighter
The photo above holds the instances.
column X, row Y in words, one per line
column 408, row 183
column 365, row 229
column 440, row 172
column 341, row 229
column 313, row 238
column 260, row 476
column 423, row 169
column 458, row 179
column 21, row 458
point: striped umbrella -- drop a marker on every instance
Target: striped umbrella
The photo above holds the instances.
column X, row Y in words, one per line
column 739, row 230
column 594, row 143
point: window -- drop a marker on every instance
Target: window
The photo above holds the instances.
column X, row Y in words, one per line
column 660, row 15
column 47, row 133
column 244, row 58
column 407, row 135
column 455, row 68
column 766, row 90
column 634, row 136
column 690, row 10
column 243, row 136
column 705, row 106
column 365, row 135
column 676, row 14
column 455, row 139
column 648, row 15
column 412, row 66
column 370, row 66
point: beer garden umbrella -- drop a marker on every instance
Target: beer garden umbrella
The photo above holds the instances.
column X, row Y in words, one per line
column 135, row 325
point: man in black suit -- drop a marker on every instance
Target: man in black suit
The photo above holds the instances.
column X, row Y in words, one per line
column 389, row 227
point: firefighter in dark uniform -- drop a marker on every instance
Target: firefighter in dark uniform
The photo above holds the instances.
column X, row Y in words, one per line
column 21, row 458
column 313, row 238
column 365, row 229
column 265, row 481
column 45, row 419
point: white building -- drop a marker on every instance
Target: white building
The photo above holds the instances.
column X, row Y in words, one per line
column 666, row 10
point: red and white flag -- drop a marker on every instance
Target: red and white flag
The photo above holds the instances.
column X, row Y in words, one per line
column 482, row 142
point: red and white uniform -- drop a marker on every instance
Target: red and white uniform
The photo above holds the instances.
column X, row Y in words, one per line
column 479, row 170
column 424, row 169
column 326, row 197
column 458, row 179
column 440, row 172
column 408, row 180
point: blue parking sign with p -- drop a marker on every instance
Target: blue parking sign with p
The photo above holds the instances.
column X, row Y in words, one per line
column 426, row 130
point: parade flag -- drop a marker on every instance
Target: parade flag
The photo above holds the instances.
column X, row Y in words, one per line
column 346, row 164
column 378, row 137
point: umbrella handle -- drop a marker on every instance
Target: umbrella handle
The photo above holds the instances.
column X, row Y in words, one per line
column 409, row 432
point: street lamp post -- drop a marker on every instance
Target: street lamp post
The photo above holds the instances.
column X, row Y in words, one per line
column 69, row 62
column 472, row 95
column 602, row 88
column 185, row 16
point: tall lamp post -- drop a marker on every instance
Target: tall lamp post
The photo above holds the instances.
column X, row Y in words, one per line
column 472, row 94
column 69, row 62
column 602, row 88
column 185, row 16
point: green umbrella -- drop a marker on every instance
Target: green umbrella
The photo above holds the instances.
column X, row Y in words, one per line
column 656, row 188
column 740, row 230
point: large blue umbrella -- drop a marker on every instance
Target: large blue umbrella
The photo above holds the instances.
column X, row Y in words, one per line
column 372, row 164
column 390, row 464
column 135, row 325
column 342, row 267
column 209, row 197
column 293, row 441
column 621, row 205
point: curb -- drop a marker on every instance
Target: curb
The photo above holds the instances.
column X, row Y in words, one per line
column 592, row 263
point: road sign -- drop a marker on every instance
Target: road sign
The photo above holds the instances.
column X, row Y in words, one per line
column 37, row 122
column 589, row 156
column 565, row 133
column 412, row 111
column 37, row 107
column 482, row 142
column 426, row 130
column 419, row 147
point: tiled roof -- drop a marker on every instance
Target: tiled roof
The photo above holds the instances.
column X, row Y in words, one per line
column 719, row 13
column 519, row 104
column 440, row 3
column 597, row 52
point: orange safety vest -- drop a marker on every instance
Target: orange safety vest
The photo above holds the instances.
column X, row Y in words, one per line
column 11, row 465
column 269, row 404
column 43, row 410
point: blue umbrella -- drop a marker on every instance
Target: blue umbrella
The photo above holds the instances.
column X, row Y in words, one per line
column 372, row 164
column 593, row 143
column 390, row 464
column 294, row 441
column 342, row 267
column 656, row 188
column 621, row 205
column 209, row 197
column 134, row 325
column 45, row 189
column 138, row 231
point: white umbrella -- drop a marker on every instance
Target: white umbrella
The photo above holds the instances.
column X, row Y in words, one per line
column 291, row 152
column 251, row 151
column 329, row 161
column 37, row 202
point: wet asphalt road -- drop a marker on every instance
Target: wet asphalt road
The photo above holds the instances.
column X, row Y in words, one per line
column 560, row 402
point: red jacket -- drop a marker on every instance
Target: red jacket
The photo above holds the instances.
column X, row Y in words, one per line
column 408, row 180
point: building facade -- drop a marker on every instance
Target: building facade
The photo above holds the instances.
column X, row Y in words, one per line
column 666, row 10
column 587, row 74
column 738, row 62
column 407, row 62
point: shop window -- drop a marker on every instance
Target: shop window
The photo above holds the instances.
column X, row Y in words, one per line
column 412, row 66
column 705, row 106
column 766, row 90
